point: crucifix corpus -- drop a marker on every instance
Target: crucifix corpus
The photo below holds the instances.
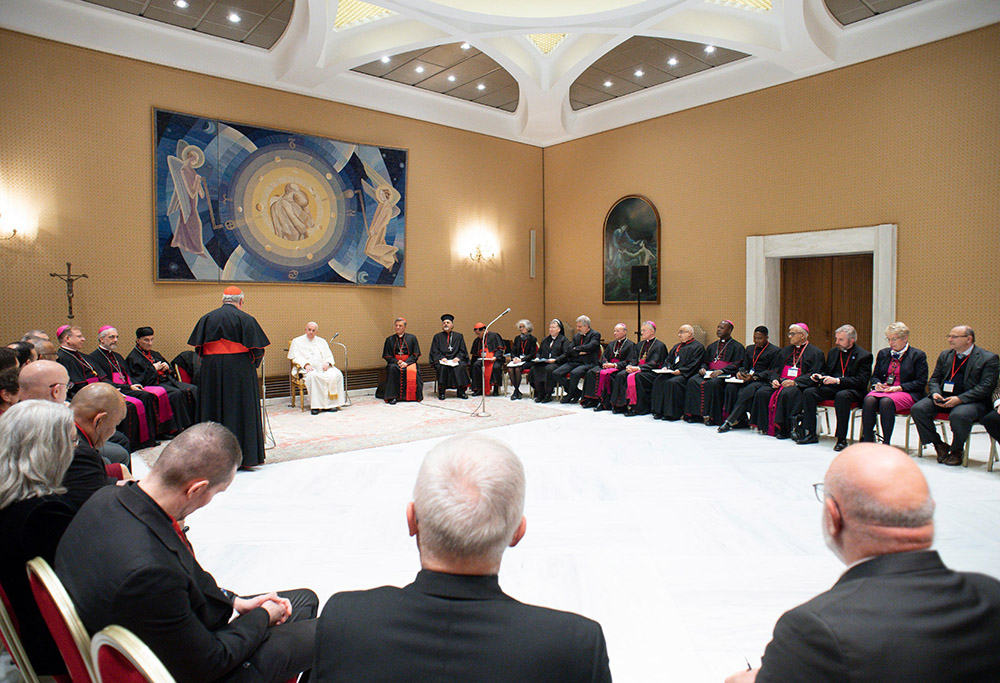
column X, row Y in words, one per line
column 69, row 278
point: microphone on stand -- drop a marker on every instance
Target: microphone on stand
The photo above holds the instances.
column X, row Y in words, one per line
column 334, row 336
column 481, row 410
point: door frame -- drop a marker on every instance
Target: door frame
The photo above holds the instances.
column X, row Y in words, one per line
column 764, row 254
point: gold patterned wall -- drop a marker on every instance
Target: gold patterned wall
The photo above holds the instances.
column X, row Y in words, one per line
column 75, row 159
column 912, row 139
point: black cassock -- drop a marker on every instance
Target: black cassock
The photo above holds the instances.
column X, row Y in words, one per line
column 669, row 390
column 541, row 372
column 649, row 355
column 621, row 353
column 494, row 343
column 789, row 402
column 707, row 397
column 183, row 396
column 82, row 372
column 450, row 345
column 231, row 344
column 402, row 386
column 739, row 397
column 115, row 369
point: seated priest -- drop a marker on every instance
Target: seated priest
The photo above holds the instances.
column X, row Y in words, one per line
column 139, row 429
column 631, row 388
column 97, row 408
column 150, row 369
column 450, row 359
column 844, row 380
column 584, row 354
column 898, row 381
column 401, row 351
column 683, row 363
column 961, row 386
column 522, row 353
column 749, row 379
column 493, row 357
column 598, row 380
column 551, row 352
column 154, row 399
column 324, row 382
column 777, row 405
column 705, row 398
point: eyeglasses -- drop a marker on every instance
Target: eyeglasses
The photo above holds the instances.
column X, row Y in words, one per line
column 821, row 495
column 956, row 336
column 68, row 385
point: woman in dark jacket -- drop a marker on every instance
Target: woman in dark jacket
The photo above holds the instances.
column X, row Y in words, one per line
column 551, row 353
column 898, row 381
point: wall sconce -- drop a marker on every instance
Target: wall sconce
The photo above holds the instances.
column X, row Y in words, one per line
column 482, row 253
column 6, row 232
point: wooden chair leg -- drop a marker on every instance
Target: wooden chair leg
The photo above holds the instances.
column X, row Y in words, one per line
column 993, row 454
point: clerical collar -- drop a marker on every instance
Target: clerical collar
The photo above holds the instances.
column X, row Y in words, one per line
column 105, row 350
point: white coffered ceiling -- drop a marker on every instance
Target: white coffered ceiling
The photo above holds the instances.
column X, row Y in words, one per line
column 548, row 72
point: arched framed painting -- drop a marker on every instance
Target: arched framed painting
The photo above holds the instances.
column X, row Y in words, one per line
column 631, row 238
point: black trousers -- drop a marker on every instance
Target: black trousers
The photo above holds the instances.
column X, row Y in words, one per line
column 668, row 396
column 739, row 400
column 991, row 421
column 961, row 418
column 705, row 398
column 786, row 408
column 287, row 649
column 575, row 372
column 842, row 400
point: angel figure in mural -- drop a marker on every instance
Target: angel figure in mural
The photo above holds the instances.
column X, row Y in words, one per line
column 386, row 196
column 189, row 188
column 290, row 218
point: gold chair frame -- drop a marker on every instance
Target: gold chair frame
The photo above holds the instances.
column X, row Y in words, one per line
column 133, row 649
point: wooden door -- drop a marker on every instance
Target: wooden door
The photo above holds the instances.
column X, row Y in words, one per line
column 826, row 292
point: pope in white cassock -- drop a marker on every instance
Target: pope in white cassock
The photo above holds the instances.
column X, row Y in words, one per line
column 324, row 382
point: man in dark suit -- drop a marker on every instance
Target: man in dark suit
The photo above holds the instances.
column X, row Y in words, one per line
column 844, row 380
column 897, row 613
column 962, row 385
column 97, row 408
column 454, row 623
column 585, row 354
column 125, row 560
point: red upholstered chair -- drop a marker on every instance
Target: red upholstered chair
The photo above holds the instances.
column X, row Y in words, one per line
column 120, row 657
column 64, row 623
column 114, row 470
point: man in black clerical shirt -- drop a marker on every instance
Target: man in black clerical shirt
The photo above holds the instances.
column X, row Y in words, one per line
column 739, row 394
column 844, row 379
column 583, row 355
column 450, row 358
column 705, row 396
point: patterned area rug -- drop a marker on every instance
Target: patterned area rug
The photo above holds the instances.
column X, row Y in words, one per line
column 370, row 423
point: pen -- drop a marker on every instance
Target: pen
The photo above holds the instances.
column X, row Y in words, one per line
column 747, row 660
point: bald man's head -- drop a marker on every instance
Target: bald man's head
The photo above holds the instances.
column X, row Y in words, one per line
column 877, row 502
column 97, row 409
column 44, row 380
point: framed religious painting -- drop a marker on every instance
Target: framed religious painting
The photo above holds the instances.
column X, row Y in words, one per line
column 632, row 251
column 241, row 203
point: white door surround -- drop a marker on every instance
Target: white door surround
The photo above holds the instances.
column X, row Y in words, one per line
column 764, row 254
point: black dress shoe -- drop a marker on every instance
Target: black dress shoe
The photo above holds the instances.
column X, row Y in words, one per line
column 538, row 398
column 515, row 396
column 463, row 395
column 953, row 460
column 630, row 413
column 496, row 391
column 942, row 451
column 808, row 438
column 392, row 401
column 441, row 396
column 477, row 392
column 671, row 419
column 781, row 434
column 725, row 427
column 566, row 399
column 657, row 416
column 314, row 411
column 692, row 418
column 546, row 399
column 599, row 407
column 798, row 434
column 840, row 445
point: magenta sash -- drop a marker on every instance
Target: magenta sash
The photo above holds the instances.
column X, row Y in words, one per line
column 603, row 378
column 91, row 380
column 141, row 412
column 718, row 364
column 165, row 412
column 119, row 378
column 630, row 393
column 772, row 405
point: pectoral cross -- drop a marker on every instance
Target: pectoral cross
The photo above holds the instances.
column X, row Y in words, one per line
column 69, row 278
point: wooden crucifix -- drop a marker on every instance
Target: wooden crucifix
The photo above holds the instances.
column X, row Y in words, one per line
column 69, row 278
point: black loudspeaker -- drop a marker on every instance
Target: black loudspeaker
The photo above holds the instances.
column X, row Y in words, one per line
column 640, row 279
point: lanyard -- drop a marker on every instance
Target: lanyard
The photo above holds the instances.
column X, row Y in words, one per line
column 954, row 370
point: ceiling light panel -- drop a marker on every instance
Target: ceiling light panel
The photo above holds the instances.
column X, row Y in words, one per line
column 546, row 42
column 351, row 13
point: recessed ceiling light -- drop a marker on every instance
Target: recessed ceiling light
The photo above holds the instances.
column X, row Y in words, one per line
column 709, row 49
column 638, row 73
column 608, row 84
column 234, row 17
column 480, row 87
column 419, row 69
column 385, row 60
column 451, row 78
column 465, row 46
column 672, row 61
column 181, row 3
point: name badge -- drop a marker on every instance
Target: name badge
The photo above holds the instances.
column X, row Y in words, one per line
column 889, row 379
column 677, row 359
column 948, row 386
column 750, row 372
column 793, row 373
